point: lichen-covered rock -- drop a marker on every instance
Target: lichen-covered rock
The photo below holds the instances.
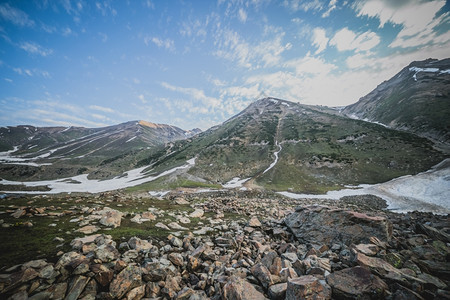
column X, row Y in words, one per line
column 127, row 279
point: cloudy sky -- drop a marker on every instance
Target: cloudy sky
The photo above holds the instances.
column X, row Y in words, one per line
column 197, row 63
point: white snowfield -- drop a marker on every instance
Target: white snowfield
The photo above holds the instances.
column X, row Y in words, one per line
column 427, row 191
column 81, row 183
column 235, row 183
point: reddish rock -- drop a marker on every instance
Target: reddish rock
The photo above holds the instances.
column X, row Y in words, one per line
column 307, row 287
column 355, row 283
column 278, row 291
column 239, row 289
column 262, row 274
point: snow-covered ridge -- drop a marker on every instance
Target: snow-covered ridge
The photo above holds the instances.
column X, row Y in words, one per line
column 429, row 70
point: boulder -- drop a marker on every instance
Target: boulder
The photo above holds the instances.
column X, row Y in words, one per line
column 325, row 225
column 262, row 274
column 197, row 213
column 76, row 287
column 127, row 279
column 356, row 283
column 239, row 289
column 307, row 287
column 110, row 217
column 254, row 222
column 278, row 291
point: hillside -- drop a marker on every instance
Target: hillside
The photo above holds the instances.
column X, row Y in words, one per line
column 280, row 145
column 417, row 99
column 32, row 153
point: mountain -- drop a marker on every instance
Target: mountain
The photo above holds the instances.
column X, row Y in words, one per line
column 281, row 145
column 32, row 153
column 417, row 100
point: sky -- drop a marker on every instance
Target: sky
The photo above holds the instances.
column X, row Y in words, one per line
column 197, row 63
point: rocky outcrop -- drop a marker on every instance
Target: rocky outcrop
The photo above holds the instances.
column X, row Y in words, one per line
column 306, row 253
column 324, row 225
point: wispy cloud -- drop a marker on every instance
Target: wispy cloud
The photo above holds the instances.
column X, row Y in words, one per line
column 242, row 15
column 15, row 16
column 161, row 43
column 196, row 94
column 34, row 48
column 101, row 108
column 331, row 7
column 345, row 39
column 305, row 5
column 417, row 19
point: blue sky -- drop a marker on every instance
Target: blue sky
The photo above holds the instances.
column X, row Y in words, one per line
column 197, row 63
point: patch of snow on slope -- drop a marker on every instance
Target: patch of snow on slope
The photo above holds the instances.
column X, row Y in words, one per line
column 131, row 139
column 81, row 183
column 427, row 191
column 275, row 161
column 235, row 183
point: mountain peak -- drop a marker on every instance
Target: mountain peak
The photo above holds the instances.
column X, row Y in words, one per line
column 151, row 125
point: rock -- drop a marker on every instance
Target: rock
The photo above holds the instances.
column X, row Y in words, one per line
column 127, row 279
column 355, row 283
column 367, row 249
column 176, row 259
column 324, row 225
column 162, row 226
column 277, row 291
column 307, row 287
column 239, row 289
column 181, row 201
column 58, row 290
column 262, row 274
column 176, row 226
column 137, row 293
column 79, row 242
column 90, row 291
column 254, row 222
column 139, row 245
column 28, row 224
column 185, row 294
column 88, row 229
column 176, row 242
column 110, row 217
column 19, row 213
column 22, row 295
column 76, row 287
column 106, row 253
column 103, row 275
column 197, row 213
column 148, row 216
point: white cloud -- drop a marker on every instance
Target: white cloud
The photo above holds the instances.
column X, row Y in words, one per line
column 331, row 7
column 417, row 18
column 102, row 108
column 34, row 48
column 320, row 40
column 15, row 16
column 264, row 53
column 161, row 43
column 305, row 5
column 142, row 98
column 346, row 39
column 196, row 94
column 242, row 15
column 310, row 65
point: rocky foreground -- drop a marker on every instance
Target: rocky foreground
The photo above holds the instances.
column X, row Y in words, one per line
column 351, row 249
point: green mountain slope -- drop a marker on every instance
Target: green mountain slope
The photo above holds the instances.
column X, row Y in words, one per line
column 417, row 100
column 319, row 151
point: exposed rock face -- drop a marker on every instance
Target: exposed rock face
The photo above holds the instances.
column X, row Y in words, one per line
column 323, row 225
column 357, row 283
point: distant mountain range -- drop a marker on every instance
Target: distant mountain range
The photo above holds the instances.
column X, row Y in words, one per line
column 272, row 144
column 417, row 99
column 56, row 152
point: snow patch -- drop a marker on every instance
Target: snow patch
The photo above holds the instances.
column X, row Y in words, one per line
column 276, row 159
column 429, row 70
column 427, row 191
column 158, row 194
column 129, row 140
column 235, row 183
column 81, row 183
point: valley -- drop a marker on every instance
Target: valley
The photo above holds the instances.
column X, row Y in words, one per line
column 281, row 201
